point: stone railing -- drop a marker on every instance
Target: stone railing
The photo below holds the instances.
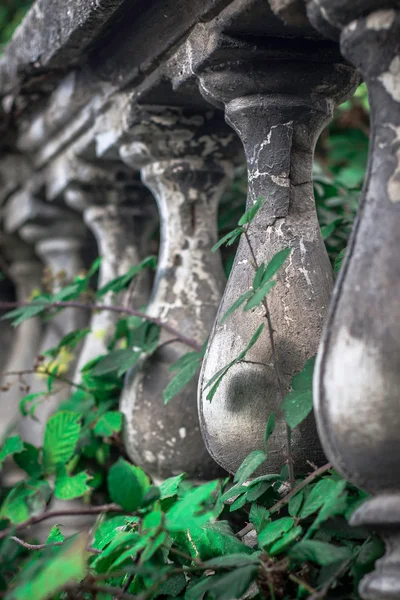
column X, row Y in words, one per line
column 108, row 105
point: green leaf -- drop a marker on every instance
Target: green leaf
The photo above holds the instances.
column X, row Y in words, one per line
column 170, row 487
column 23, row 405
column 69, row 488
column 60, row 438
column 186, row 360
column 13, row 445
column 256, row 491
column 194, row 509
column 55, row 535
column 116, row 362
column 233, row 560
column 25, row 499
column 258, row 276
column 54, row 572
column 127, row 485
column 339, row 260
column 122, row 282
column 320, row 493
column 259, row 296
column 251, row 213
column 286, row 540
column 29, row 460
column 275, row 264
column 327, row 230
column 180, row 380
column 297, row 406
column 252, row 342
column 269, row 430
column 320, row 553
column 212, row 540
column 236, row 305
column 249, row 465
column 258, row 516
column 274, row 530
column 109, row 423
column 224, row 587
column 228, row 239
column 71, row 340
column 295, row 504
column 302, row 382
column 23, row 313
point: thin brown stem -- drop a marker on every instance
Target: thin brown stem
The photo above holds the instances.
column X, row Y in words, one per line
column 43, row 546
column 90, row 510
column 42, row 371
column 275, row 361
column 117, row 309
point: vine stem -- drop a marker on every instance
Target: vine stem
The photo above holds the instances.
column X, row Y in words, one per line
column 278, row 375
column 117, row 309
column 90, row 510
column 43, row 546
column 286, row 499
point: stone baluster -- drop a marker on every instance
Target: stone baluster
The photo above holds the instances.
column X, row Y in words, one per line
column 357, row 380
column 185, row 161
column 278, row 95
column 57, row 237
column 25, row 270
column 122, row 227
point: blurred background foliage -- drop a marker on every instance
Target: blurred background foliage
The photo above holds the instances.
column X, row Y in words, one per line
column 11, row 14
column 339, row 168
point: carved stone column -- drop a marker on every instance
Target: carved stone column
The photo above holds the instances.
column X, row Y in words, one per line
column 185, row 160
column 122, row 233
column 357, row 381
column 58, row 242
column 278, row 95
column 25, row 271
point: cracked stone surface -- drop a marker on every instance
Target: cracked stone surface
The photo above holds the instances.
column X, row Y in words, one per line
column 357, row 380
column 278, row 109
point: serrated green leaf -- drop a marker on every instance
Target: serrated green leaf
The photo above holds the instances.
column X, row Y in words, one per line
column 170, row 487
column 258, row 276
column 286, row 540
column 319, row 553
column 251, row 212
column 55, row 535
column 258, row 516
column 259, row 296
column 249, row 465
column 123, row 545
column 320, row 493
column 269, row 430
column 12, row 445
column 60, row 438
column 185, row 360
column 302, row 382
column 110, row 422
column 23, row 313
column 181, row 379
column 228, row 239
column 212, row 540
column 71, row 340
column 238, row 503
column 195, row 509
column 127, row 485
column 275, row 264
column 26, row 410
column 295, row 504
column 256, row 491
column 71, row 487
column 233, row 560
column 252, row 342
column 236, row 305
column 118, row 284
column 29, row 460
column 27, row 498
column 274, row 530
column 297, row 406
column 116, row 362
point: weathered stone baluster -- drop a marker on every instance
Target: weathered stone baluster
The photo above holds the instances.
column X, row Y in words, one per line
column 357, row 383
column 278, row 96
column 184, row 163
column 25, row 271
column 122, row 232
column 57, row 237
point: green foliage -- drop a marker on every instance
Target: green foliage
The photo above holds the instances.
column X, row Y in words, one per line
column 182, row 540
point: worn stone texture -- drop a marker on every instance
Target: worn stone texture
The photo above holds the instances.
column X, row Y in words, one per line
column 278, row 109
column 185, row 161
column 357, row 380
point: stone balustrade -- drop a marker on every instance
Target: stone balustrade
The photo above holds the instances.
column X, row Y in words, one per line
column 119, row 115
